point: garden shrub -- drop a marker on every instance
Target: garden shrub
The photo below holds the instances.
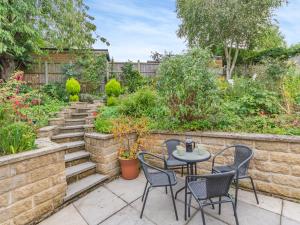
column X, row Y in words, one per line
column 113, row 88
column 74, row 98
column 56, row 90
column 188, row 85
column 132, row 78
column 72, row 86
column 16, row 137
column 103, row 125
column 140, row 103
column 112, row 101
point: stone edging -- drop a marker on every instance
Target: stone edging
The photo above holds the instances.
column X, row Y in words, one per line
column 243, row 136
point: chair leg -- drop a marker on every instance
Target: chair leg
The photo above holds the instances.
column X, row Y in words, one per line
column 190, row 203
column 254, row 190
column 144, row 191
column 220, row 198
column 147, row 192
column 235, row 214
column 166, row 189
column 174, row 204
column 181, row 171
column 202, row 214
column 185, row 201
column 212, row 205
column 236, row 192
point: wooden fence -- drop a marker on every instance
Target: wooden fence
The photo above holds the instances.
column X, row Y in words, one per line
column 46, row 72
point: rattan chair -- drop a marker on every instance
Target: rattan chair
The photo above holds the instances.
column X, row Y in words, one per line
column 156, row 177
column 242, row 157
column 171, row 162
column 205, row 188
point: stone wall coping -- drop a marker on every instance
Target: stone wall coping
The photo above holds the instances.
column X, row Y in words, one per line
column 47, row 128
column 99, row 136
column 9, row 159
column 242, row 136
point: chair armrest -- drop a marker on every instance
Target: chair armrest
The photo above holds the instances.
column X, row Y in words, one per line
column 219, row 153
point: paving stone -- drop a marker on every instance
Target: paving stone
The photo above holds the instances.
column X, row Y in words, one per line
column 66, row 216
column 99, row 205
column 197, row 220
column 286, row 221
column 127, row 216
column 265, row 202
column 159, row 208
column 247, row 214
column 291, row 210
column 130, row 189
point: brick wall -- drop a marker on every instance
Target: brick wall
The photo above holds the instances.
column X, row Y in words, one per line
column 275, row 166
column 32, row 185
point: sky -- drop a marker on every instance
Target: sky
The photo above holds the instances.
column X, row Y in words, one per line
column 135, row 28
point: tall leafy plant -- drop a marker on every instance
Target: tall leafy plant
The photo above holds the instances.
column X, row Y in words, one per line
column 188, row 85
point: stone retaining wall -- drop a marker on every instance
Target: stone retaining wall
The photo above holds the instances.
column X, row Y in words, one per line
column 275, row 166
column 32, row 184
column 104, row 152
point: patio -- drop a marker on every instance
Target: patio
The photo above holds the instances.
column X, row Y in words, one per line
column 119, row 202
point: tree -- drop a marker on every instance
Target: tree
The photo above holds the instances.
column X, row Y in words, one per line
column 28, row 25
column 232, row 23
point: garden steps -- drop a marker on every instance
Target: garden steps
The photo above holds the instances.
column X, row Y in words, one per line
column 77, row 172
column 68, row 137
column 74, row 146
column 75, row 158
column 72, row 129
column 73, row 122
column 83, row 185
column 79, row 115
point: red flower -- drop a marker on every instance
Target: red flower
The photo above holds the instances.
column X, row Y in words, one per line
column 95, row 114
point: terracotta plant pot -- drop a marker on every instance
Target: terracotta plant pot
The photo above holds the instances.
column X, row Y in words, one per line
column 129, row 168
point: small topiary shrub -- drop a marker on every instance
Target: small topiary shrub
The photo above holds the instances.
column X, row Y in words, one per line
column 73, row 89
column 112, row 101
column 74, row 98
column 16, row 137
column 113, row 88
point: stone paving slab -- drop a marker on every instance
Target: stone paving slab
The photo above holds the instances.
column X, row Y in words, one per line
column 247, row 214
column 159, row 208
column 197, row 220
column 286, row 221
column 66, row 216
column 127, row 216
column 99, row 205
column 291, row 210
column 128, row 190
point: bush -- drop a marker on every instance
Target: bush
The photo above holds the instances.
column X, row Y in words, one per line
column 72, row 86
column 113, row 88
column 56, row 90
column 189, row 86
column 103, row 125
column 16, row 137
column 74, row 98
column 112, row 101
column 141, row 103
column 133, row 80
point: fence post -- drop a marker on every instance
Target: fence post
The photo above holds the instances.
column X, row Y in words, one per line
column 46, row 72
column 139, row 66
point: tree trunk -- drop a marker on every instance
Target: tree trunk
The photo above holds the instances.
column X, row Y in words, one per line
column 230, row 62
column 7, row 66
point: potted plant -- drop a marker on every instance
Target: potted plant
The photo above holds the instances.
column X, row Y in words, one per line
column 129, row 132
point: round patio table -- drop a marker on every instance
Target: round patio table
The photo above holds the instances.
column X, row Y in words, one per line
column 191, row 159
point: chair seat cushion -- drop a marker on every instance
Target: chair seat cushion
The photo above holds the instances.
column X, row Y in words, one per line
column 175, row 162
column 161, row 179
column 198, row 189
column 223, row 169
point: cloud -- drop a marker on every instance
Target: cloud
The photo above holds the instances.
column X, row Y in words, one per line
column 136, row 28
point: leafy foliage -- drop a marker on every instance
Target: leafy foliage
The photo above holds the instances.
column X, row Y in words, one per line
column 74, row 98
column 56, row 90
column 112, row 101
column 132, row 78
column 113, row 88
column 16, row 137
column 73, row 88
column 188, row 86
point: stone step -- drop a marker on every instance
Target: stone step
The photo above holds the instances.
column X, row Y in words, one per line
column 76, row 155
column 69, row 137
column 73, row 122
column 79, row 115
column 83, row 185
column 77, row 172
column 82, row 110
column 76, row 158
column 74, row 146
column 71, row 129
